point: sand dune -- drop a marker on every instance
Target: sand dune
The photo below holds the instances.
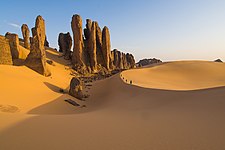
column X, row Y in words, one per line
column 182, row 75
column 162, row 113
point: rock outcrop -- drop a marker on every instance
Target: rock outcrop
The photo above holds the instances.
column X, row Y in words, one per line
column 76, row 25
column 46, row 42
column 5, row 52
column 145, row 62
column 26, row 35
column 92, row 48
column 122, row 61
column 36, row 59
column 130, row 61
column 65, row 44
column 100, row 58
column 92, row 52
column 14, row 45
column 76, row 87
column 106, row 47
column 87, row 30
column 218, row 60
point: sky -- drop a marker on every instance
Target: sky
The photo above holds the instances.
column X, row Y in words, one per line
column 165, row 29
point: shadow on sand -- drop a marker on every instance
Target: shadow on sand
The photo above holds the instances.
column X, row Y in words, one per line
column 114, row 94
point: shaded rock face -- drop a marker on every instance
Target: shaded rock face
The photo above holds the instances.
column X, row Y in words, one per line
column 145, row 62
column 14, row 45
column 100, row 58
column 65, row 44
column 122, row 60
column 36, row 60
column 46, row 42
column 76, row 87
column 106, row 47
column 92, row 48
column 5, row 52
column 76, row 25
column 130, row 61
column 26, row 35
column 87, row 30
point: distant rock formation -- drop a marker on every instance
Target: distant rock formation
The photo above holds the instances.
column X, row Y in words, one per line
column 122, row 61
column 36, row 59
column 5, row 52
column 130, row 61
column 76, row 87
column 145, row 62
column 218, row 60
column 65, row 44
column 26, row 35
column 14, row 45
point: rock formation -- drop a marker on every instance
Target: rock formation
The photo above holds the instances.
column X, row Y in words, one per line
column 14, row 45
column 36, row 59
column 65, row 44
column 92, row 52
column 46, row 42
column 92, row 48
column 100, row 58
column 106, row 47
column 87, row 30
column 145, row 62
column 76, row 87
column 218, row 60
column 130, row 61
column 26, row 35
column 122, row 61
column 5, row 52
column 76, row 25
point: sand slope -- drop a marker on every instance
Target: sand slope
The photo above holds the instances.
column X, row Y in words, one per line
column 182, row 75
column 118, row 115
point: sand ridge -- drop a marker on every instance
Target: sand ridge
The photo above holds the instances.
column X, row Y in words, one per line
column 180, row 75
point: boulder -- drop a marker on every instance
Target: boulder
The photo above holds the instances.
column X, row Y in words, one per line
column 65, row 44
column 76, row 25
column 26, row 35
column 106, row 47
column 76, row 88
column 36, row 59
column 5, row 52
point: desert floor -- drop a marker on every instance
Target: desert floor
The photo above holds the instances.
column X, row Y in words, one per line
column 172, row 106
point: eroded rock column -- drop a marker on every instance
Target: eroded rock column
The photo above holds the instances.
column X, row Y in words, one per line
column 106, row 47
column 76, row 25
column 36, row 59
column 26, row 35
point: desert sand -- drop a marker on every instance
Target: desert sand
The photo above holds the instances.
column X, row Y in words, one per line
column 172, row 106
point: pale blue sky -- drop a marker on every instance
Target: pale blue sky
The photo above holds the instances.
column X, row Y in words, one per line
column 166, row 29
